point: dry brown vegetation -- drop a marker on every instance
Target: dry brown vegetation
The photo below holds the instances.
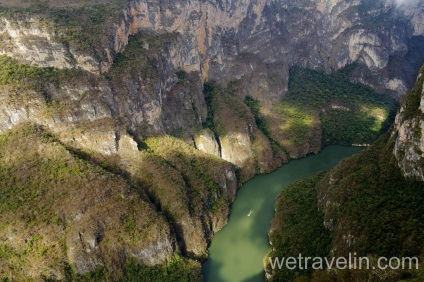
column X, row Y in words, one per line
column 191, row 187
column 53, row 204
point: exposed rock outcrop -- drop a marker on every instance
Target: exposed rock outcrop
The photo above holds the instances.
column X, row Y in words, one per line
column 409, row 133
column 215, row 38
column 378, row 191
column 126, row 76
column 206, row 141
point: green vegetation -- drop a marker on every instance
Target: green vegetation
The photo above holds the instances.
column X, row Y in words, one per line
column 181, row 74
column 226, row 111
column 30, row 187
column 412, row 99
column 200, row 171
column 370, row 201
column 19, row 75
column 210, row 90
column 81, row 26
column 138, row 58
column 297, row 121
column 383, row 207
column 297, row 228
column 180, row 181
column 254, row 106
column 168, row 189
column 263, row 126
column 141, row 56
column 349, row 112
column 178, row 269
column 97, row 276
column 23, row 84
column 317, row 107
column 44, row 185
column 235, row 120
column 343, row 127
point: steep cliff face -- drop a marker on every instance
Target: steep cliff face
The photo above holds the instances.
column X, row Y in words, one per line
column 111, row 81
column 189, row 191
column 69, row 211
column 370, row 204
column 206, row 141
column 409, row 133
column 216, row 37
column 253, row 42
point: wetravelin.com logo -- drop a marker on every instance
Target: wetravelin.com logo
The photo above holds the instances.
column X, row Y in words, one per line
column 352, row 261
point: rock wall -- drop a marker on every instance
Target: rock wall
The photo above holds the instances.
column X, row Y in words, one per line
column 254, row 42
column 409, row 133
column 217, row 36
column 144, row 76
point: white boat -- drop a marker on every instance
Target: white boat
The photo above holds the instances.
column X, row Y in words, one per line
column 250, row 212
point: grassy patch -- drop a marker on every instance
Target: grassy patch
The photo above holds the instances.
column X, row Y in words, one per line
column 19, row 75
column 349, row 112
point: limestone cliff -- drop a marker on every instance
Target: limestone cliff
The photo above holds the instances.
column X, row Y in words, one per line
column 206, row 141
column 252, row 42
column 114, row 81
column 370, row 204
column 409, row 133
column 216, row 37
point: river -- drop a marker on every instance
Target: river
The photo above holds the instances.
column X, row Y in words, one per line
column 237, row 251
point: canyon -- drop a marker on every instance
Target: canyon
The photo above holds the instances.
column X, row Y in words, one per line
column 147, row 99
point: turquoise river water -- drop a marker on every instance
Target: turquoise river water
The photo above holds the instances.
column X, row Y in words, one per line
column 237, row 251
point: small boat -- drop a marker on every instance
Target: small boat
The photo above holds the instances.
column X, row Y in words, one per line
column 250, row 212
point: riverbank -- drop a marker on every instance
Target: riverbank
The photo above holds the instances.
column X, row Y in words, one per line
column 237, row 251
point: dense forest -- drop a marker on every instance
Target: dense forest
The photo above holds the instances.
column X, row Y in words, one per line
column 348, row 113
column 365, row 198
